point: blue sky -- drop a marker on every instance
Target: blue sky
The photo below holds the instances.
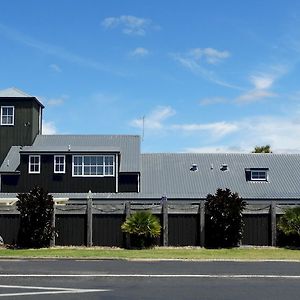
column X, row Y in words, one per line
column 208, row 76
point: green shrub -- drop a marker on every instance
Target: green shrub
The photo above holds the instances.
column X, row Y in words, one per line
column 224, row 219
column 289, row 223
column 143, row 228
column 36, row 209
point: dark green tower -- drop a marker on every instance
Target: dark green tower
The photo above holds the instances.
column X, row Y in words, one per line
column 20, row 119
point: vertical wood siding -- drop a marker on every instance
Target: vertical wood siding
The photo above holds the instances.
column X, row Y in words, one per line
column 9, row 228
column 107, row 230
column 71, row 230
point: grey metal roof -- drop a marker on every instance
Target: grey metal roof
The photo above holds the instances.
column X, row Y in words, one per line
column 11, row 161
column 16, row 93
column 127, row 145
column 170, row 174
column 71, row 149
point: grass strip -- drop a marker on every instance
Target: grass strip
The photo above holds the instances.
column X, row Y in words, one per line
column 255, row 253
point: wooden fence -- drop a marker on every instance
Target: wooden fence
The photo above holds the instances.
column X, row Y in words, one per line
column 94, row 224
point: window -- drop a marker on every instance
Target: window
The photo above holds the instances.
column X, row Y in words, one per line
column 34, row 164
column 259, row 175
column 59, row 164
column 7, row 115
column 93, row 165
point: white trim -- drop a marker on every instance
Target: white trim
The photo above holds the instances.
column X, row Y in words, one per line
column 13, row 115
column 59, row 164
column 117, row 173
column 39, row 165
column 259, row 179
column 94, row 155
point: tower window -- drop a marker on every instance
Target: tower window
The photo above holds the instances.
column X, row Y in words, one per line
column 7, row 115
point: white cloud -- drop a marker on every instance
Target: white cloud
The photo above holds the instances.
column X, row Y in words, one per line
column 210, row 55
column 155, row 119
column 216, row 149
column 49, row 127
column 56, row 101
column 139, row 52
column 254, row 95
column 55, row 68
column 262, row 82
column 192, row 60
column 282, row 133
column 130, row 25
column 217, row 129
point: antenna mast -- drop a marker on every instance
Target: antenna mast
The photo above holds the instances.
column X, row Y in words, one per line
column 143, row 132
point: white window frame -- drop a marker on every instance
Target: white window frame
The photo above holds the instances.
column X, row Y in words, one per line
column 30, row 164
column 259, row 179
column 13, row 116
column 82, row 165
column 55, row 164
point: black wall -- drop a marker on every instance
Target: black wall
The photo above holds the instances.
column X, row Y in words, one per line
column 128, row 182
column 55, row 183
column 26, row 124
column 64, row 183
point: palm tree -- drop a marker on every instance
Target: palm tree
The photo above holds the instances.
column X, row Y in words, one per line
column 143, row 227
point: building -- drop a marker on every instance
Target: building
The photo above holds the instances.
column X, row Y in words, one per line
column 113, row 167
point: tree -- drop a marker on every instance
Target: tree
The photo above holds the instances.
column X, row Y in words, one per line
column 289, row 223
column 262, row 149
column 36, row 209
column 143, row 227
column 224, row 216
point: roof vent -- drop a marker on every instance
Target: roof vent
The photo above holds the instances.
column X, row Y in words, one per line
column 69, row 148
column 224, row 167
column 194, row 168
column 8, row 162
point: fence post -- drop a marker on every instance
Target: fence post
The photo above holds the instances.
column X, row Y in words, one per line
column 165, row 221
column 273, row 223
column 52, row 240
column 89, row 226
column 202, row 223
column 127, row 215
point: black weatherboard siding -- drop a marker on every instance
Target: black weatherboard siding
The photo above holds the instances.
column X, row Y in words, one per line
column 55, row 183
column 26, row 124
column 128, row 182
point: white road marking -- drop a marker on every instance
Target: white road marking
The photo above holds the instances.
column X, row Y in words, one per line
column 48, row 290
column 156, row 275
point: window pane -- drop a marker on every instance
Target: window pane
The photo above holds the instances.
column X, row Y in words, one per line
column 99, row 160
column 108, row 160
column 93, row 170
column 93, row 160
column 87, row 160
column 99, row 170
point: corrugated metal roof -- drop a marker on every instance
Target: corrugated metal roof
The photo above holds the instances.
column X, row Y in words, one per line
column 71, row 149
column 11, row 161
column 127, row 145
column 16, row 93
column 170, row 174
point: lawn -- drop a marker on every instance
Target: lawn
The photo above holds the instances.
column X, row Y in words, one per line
column 243, row 253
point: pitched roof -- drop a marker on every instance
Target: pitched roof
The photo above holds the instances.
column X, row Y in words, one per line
column 16, row 93
column 11, row 161
column 127, row 145
column 170, row 174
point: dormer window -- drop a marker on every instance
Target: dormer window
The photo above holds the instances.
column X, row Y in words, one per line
column 7, row 115
column 259, row 175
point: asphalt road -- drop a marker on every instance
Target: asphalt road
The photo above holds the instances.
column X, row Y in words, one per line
column 112, row 279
